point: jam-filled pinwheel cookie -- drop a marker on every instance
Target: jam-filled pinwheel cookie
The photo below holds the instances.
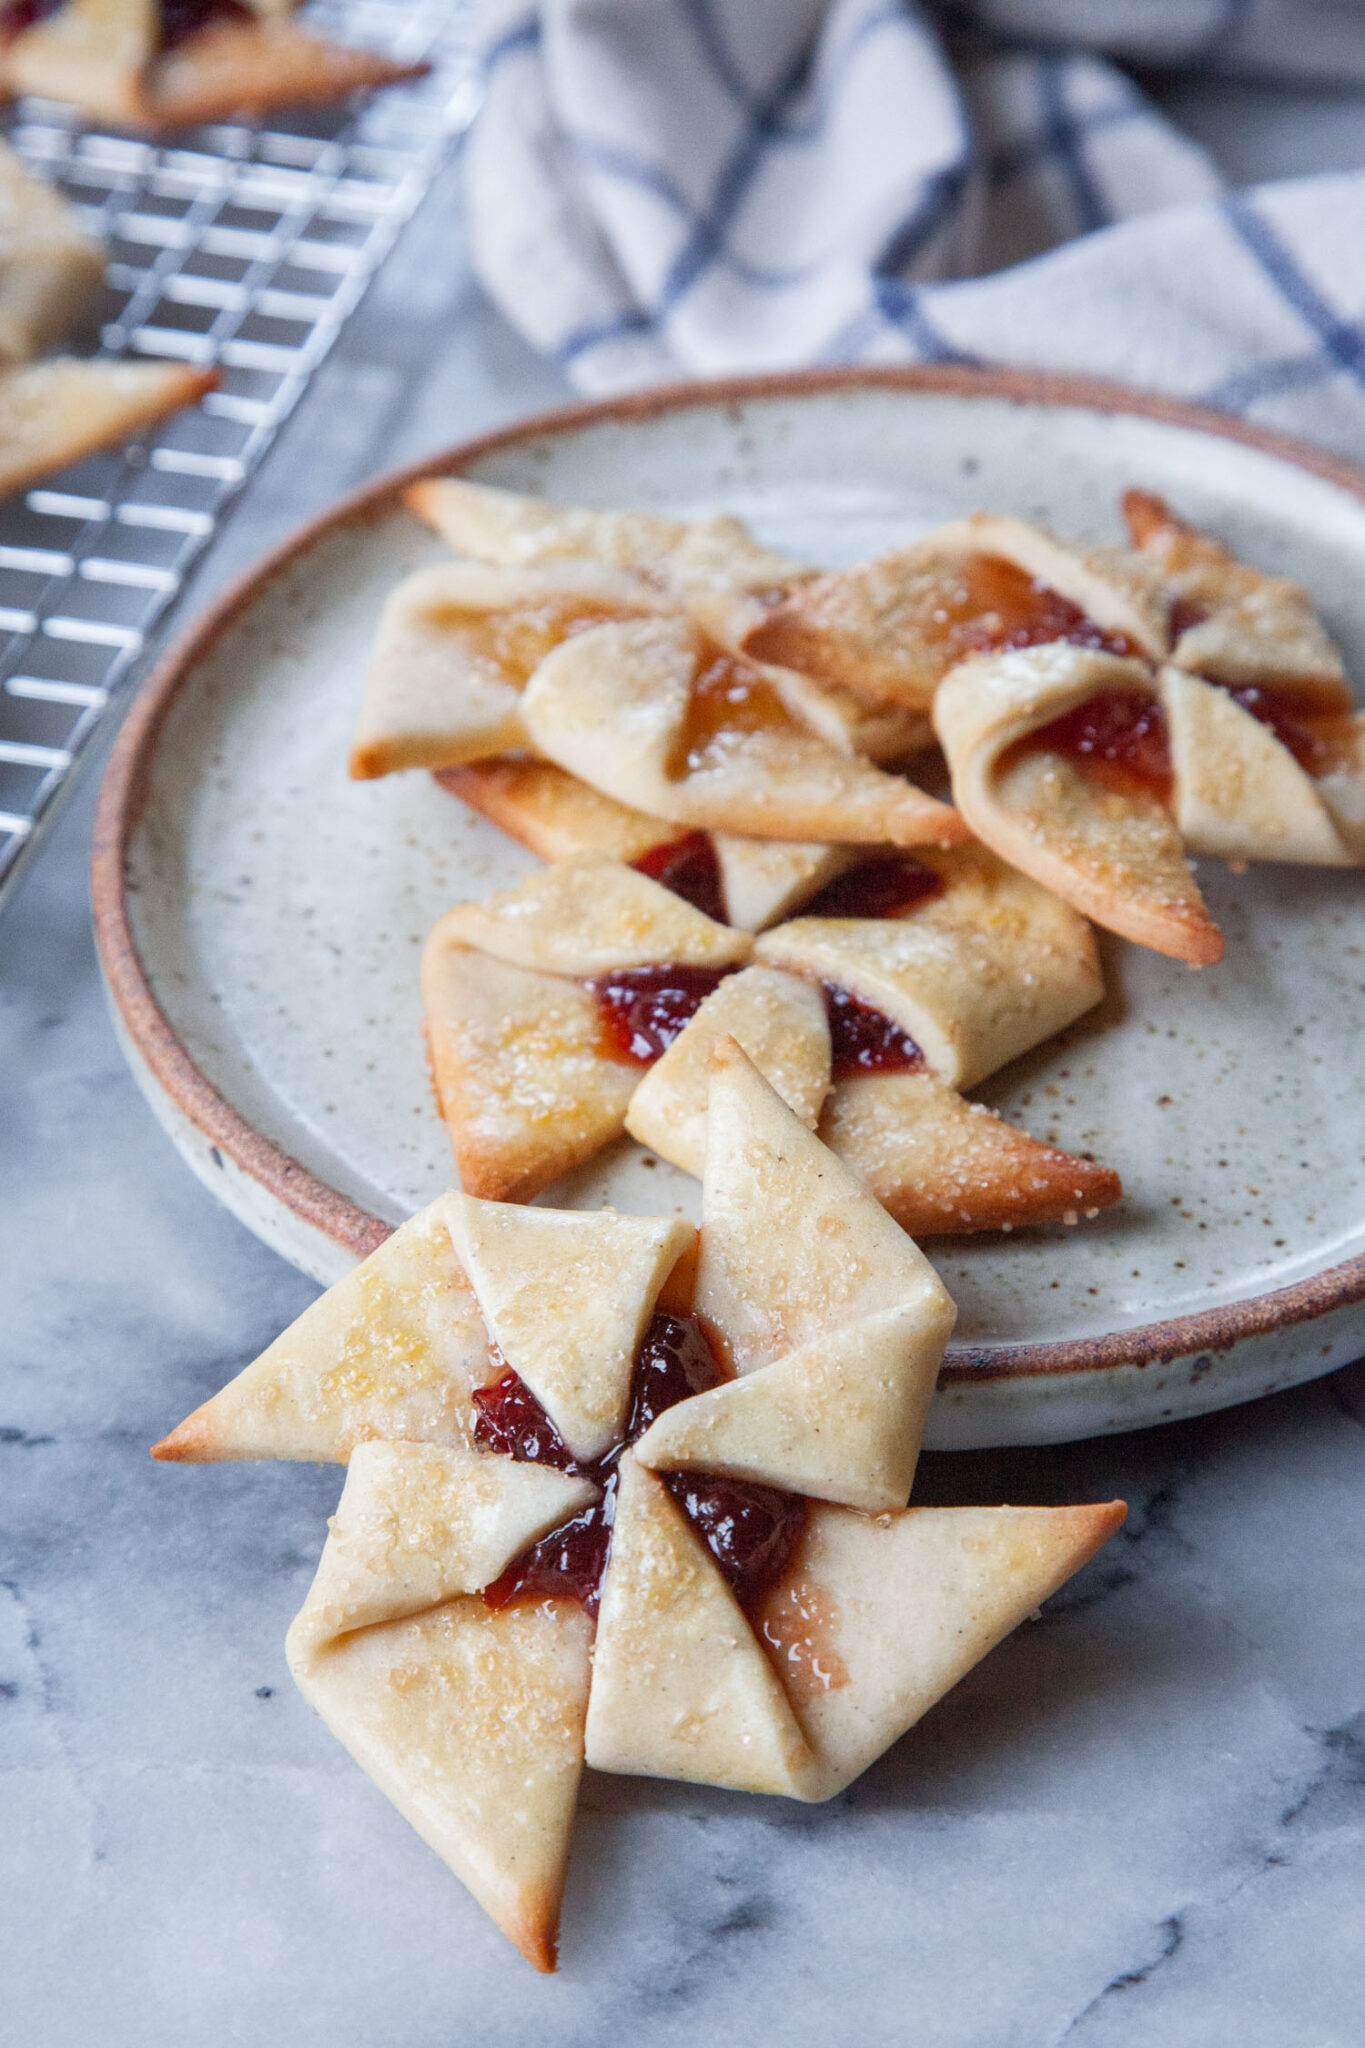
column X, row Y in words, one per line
column 1272, row 766
column 652, row 713
column 55, row 411
column 669, row 1541
column 542, row 1006
column 1060, row 762
column 457, row 643
column 892, row 628
column 167, row 63
column 579, row 1005
column 712, row 568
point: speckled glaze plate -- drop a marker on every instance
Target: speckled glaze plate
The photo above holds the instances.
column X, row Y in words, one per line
column 260, row 918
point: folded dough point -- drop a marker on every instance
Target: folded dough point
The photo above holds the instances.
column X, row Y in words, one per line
column 591, row 916
column 840, row 1419
column 940, row 1164
column 422, row 1704
column 515, row 1039
column 523, row 1084
column 1240, row 794
column 394, row 1349
column 794, row 1248
column 680, row 1686
column 838, row 1416
column 55, row 411
column 975, row 975
column 552, row 812
column 419, row 1523
column 716, row 558
column 612, row 706
column 1116, row 856
column 880, row 1617
column 878, row 628
column 567, row 1296
column 781, row 1024
column 452, row 651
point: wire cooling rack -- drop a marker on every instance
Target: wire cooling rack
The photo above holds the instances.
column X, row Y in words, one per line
column 245, row 245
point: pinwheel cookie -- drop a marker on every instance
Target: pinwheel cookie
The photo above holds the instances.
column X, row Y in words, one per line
column 670, row 1541
column 712, row 568
column 473, row 659
column 166, row 63
column 1295, row 790
column 586, row 1002
column 1096, row 775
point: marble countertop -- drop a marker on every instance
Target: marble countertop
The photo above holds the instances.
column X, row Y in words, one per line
column 1141, row 1820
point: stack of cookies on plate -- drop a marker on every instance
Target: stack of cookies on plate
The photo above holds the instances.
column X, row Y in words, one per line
column 736, row 766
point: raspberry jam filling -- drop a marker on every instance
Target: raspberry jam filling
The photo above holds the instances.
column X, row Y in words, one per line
column 19, row 15
column 863, row 1040
column 885, row 887
column 642, row 1009
column 751, row 1531
column 729, row 696
column 1317, row 734
column 689, row 867
column 994, row 605
column 1117, row 738
column 181, row 19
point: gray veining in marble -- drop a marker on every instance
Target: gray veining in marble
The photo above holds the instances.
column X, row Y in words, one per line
column 1141, row 1821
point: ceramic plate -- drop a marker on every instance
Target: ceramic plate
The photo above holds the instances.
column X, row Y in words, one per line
column 260, row 918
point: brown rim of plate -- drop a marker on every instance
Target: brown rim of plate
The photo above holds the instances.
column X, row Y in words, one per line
column 126, row 780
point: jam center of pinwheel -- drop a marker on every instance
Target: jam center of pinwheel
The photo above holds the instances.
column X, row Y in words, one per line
column 690, row 867
column 20, row 15
column 751, row 1531
column 643, row 1009
column 863, row 1040
column 1317, row 733
column 1117, row 738
column 181, row 19
column 888, row 885
column 993, row 605
column 730, row 696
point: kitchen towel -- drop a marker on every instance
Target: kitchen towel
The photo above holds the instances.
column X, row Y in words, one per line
column 666, row 188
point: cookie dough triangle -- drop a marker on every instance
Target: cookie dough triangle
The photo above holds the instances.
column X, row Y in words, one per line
column 781, row 1024
column 622, row 707
column 524, row 1086
column 1239, row 793
column 880, row 1617
column 53, row 412
column 471, row 1722
column 793, row 1245
column 1116, row 854
column 941, row 1164
column 681, row 1688
column 419, row 1523
column 839, row 1419
column 566, row 1296
column 453, row 649
column 394, row 1349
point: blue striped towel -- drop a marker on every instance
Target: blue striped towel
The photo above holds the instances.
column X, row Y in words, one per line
column 665, row 188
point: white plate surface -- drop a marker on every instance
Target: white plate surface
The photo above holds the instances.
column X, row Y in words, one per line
column 279, row 909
